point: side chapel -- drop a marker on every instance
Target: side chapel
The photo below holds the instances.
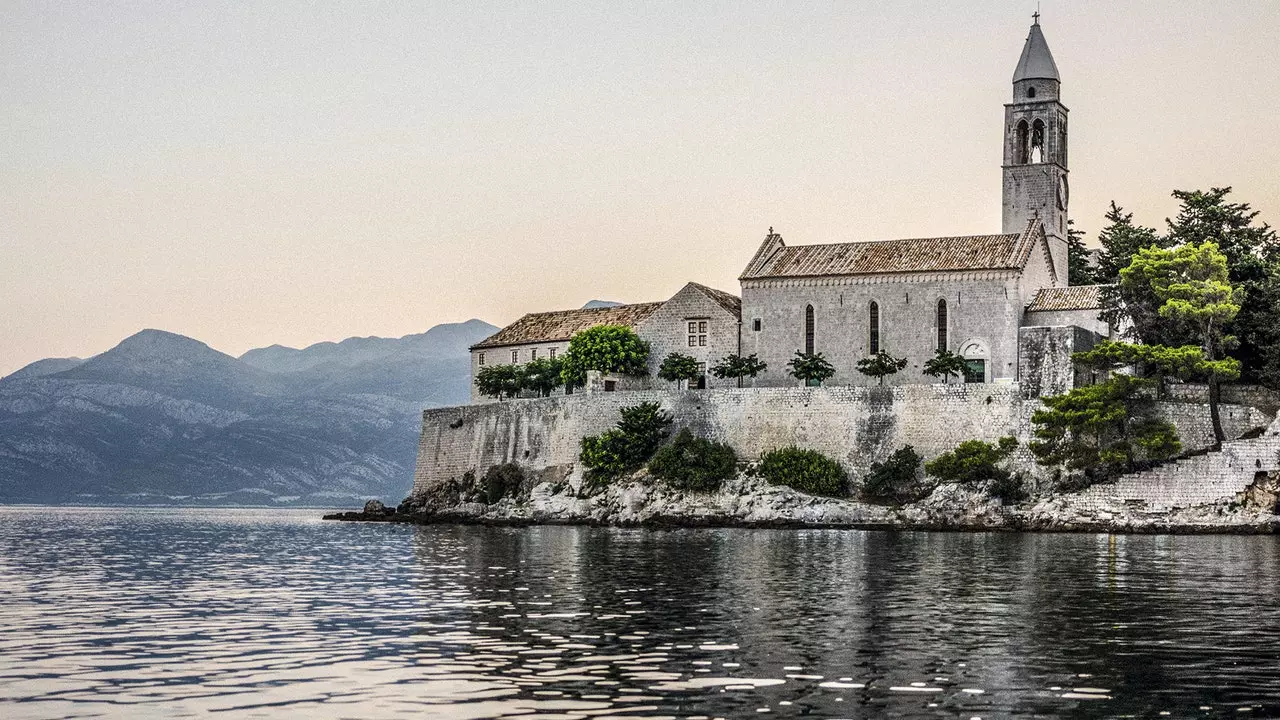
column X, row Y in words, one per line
column 989, row 298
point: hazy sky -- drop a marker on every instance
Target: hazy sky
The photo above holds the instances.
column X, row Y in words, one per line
column 262, row 172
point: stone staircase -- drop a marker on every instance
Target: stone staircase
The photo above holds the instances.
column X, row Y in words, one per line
column 1200, row 480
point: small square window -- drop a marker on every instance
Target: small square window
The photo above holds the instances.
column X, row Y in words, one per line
column 693, row 340
column 552, row 353
column 702, row 326
column 515, row 356
column 693, row 327
column 480, row 359
column 755, row 325
column 702, row 341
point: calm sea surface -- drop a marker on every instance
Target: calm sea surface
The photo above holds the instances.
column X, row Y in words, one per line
column 172, row 613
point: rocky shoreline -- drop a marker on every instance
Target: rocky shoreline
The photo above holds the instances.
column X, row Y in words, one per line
column 747, row 501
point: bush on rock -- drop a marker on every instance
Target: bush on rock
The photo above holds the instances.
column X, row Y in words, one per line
column 896, row 479
column 808, row 471
column 975, row 461
column 694, row 463
column 627, row 447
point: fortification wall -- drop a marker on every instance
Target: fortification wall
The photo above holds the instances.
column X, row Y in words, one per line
column 856, row 425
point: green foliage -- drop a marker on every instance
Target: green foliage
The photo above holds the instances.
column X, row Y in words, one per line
column 676, row 367
column 627, row 447
column 606, row 349
column 881, row 365
column 973, row 461
column 541, row 376
column 1184, row 363
column 499, row 381
column 945, row 364
column 1120, row 241
column 808, row 471
column 1078, row 270
column 501, row 481
column 896, row 479
column 736, row 366
column 1103, row 430
column 694, row 463
column 810, row 368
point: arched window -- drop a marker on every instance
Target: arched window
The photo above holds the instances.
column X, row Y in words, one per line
column 1037, row 142
column 873, row 315
column 808, row 330
column 942, row 324
column 1020, row 146
column 1031, row 91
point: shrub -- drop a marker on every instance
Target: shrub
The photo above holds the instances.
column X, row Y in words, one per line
column 736, row 366
column 811, row 369
column 627, row 447
column 972, row 461
column 694, row 463
column 499, row 381
column 896, row 479
column 501, row 481
column 881, row 365
column 808, row 471
column 944, row 364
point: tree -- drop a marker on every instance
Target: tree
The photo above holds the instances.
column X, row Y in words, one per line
column 676, row 367
column 542, row 375
column 810, row 368
column 1191, row 283
column 694, row 463
column 1103, row 429
column 499, row 381
column 736, row 366
column 973, row 461
column 627, row 446
column 1079, row 272
column 1120, row 241
column 945, row 364
column 606, row 349
column 1186, row 362
column 881, row 365
column 897, row 479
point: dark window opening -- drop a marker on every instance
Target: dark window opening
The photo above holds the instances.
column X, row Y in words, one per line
column 808, row 330
column 1020, row 148
column 755, row 325
column 1037, row 142
column 942, row 324
column 873, row 314
column 610, row 385
column 702, row 377
column 1031, row 91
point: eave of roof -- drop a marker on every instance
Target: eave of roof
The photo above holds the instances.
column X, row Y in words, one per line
column 560, row 325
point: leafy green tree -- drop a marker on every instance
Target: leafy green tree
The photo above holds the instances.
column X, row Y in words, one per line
column 626, row 447
column 542, row 376
column 973, row 461
column 897, row 479
column 499, row 381
column 694, row 463
column 606, row 349
column 810, row 368
column 677, row 366
column 808, row 471
column 736, row 366
column 1186, row 362
column 1079, row 272
column 880, row 365
column 944, row 364
column 1191, row 281
column 1104, row 429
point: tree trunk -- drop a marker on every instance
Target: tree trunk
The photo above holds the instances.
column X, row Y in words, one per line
column 1214, row 395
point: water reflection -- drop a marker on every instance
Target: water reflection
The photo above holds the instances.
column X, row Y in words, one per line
column 169, row 613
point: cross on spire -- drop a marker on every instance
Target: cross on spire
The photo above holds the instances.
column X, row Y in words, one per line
column 1035, row 16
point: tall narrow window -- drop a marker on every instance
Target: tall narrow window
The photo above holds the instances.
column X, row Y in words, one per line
column 533, row 354
column 942, row 324
column 552, row 353
column 480, row 359
column 808, row 330
column 515, row 356
column 1037, row 142
column 1021, row 144
column 873, row 315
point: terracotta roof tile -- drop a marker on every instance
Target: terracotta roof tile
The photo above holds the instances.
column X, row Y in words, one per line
column 561, row 325
column 1076, row 297
column 975, row 252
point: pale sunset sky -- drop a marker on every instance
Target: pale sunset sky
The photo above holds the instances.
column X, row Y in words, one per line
column 286, row 172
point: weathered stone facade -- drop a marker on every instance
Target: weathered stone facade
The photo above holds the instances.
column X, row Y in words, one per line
column 697, row 322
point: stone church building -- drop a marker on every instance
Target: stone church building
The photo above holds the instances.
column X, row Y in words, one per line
column 998, row 300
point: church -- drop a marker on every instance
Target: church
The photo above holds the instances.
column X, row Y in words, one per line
column 1002, row 301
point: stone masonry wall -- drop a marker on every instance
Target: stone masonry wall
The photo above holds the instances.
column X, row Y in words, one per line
column 856, row 425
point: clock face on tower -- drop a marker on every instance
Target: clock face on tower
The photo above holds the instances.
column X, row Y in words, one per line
column 1062, row 192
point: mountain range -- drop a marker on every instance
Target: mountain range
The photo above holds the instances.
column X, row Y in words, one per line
column 164, row 419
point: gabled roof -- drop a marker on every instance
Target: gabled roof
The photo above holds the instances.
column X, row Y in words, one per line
column 560, row 325
column 975, row 252
column 1036, row 61
column 731, row 303
column 1076, row 297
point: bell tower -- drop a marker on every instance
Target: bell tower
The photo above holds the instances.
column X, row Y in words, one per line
column 1035, row 148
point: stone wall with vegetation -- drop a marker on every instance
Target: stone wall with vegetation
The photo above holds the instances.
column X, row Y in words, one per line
column 855, row 425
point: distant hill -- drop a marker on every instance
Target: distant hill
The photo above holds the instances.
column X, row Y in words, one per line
column 165, row 419
column 593, row 304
